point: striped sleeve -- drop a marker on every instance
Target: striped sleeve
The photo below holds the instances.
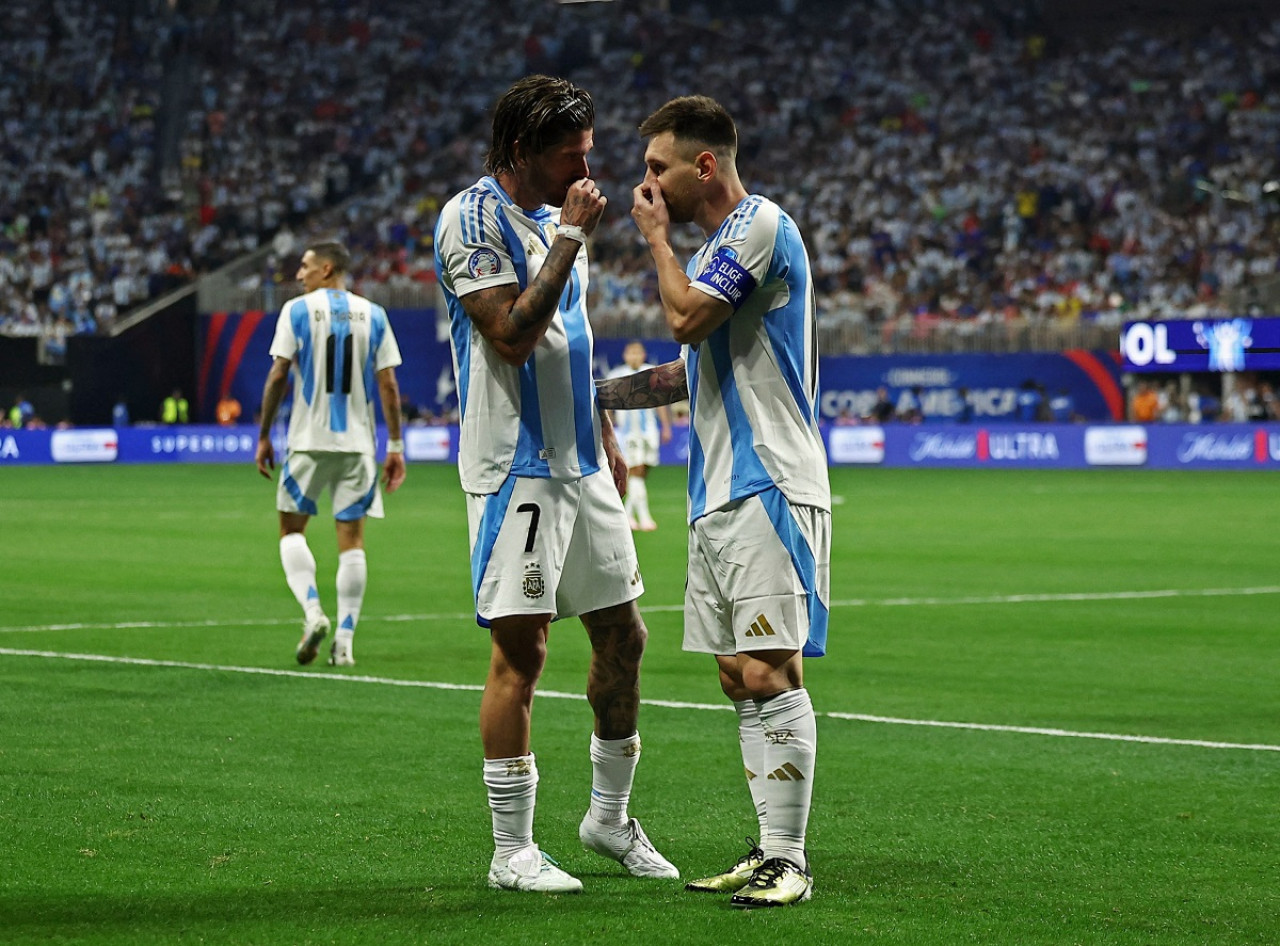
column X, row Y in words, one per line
column 472, row 252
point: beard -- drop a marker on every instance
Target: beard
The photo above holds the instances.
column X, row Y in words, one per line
column 679, row 209
column 550, row 191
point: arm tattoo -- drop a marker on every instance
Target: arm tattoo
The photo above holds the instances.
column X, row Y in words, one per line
column 652, row 387
column 538, row 302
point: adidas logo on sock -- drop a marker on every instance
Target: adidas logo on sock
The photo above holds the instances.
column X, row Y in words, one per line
column 787, row 773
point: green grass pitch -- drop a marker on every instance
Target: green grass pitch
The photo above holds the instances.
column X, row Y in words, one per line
column 157, row 787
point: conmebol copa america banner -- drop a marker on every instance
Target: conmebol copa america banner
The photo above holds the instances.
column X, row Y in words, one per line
column 233, row 359
column 1003, row 445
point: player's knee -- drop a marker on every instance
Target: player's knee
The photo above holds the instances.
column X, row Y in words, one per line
column 761, row 680
column 623, row 652
column 518, row 658
column 518, row 677
column 758, row 686
column 618, row 634
column 733, row 688
column 637, row 638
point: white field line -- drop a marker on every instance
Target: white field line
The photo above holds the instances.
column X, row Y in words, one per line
column 247, row 622
column 1065, row 597
column 669, row 704
column 1064, row 733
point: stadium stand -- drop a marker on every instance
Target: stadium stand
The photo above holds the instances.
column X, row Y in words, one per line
column 969, row 176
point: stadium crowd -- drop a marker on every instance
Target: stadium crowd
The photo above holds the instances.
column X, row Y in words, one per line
column 953, row 166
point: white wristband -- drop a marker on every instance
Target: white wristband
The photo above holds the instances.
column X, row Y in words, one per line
column 395, row 446
column 572, row 232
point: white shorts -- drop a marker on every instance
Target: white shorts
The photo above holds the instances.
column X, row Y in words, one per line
column 350, row 478
column 558, row 547
column 640, row 450
column 759, row 578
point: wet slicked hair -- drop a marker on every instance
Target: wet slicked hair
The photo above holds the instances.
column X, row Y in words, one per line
column 697, row 120
column 335, row 253
column 539, row 112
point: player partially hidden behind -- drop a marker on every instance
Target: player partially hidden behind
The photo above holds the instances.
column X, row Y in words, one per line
column 542, row 472
column 759, row 499
column 340, row 346
column 641, row 433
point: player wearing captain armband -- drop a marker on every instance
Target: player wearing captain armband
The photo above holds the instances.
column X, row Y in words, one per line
column 759, row 501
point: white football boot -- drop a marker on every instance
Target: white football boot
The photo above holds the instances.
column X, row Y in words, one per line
column 313, row 632
column 627, row 844
column 530, row 869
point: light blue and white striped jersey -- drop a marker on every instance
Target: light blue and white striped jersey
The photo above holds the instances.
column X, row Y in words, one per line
column 753, row 382
column 538, row 419
column 338, row 342
column 640, row 422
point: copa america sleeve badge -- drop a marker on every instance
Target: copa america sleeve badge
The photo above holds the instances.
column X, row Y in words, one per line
column 484, row 262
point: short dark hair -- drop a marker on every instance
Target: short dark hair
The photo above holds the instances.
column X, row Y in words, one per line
column 337, row 255
column 695, row 119
column 539, row 112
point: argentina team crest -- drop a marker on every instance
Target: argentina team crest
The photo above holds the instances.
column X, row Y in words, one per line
column 484, row 262
column 533, row 584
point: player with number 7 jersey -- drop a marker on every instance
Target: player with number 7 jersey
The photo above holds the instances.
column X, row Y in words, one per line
column 542, row 472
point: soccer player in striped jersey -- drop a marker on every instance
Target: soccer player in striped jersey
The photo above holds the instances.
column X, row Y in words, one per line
column 759, row 499
column 340, row 347
column 542, row 472
column 641, row 433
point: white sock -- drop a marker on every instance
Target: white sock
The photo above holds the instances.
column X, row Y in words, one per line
column 613, row 768
column 353, row 575
column 790, row 750
column 751, row 740
column 300, row 570
column 513, row 790
column 629, row 501
column 638, row 490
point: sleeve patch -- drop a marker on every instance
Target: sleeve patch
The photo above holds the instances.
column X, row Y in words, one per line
column 727, row 277
column 484, row 262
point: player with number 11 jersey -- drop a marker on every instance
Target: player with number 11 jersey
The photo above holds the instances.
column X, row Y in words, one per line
column 338, row 342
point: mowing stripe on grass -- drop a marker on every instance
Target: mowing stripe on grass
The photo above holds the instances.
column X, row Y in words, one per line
column 1063, row 596
column 668, row 704
column 1043, row 731
column 247, row 622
